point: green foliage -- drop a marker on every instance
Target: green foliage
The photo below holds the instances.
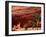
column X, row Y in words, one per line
column 33, row 24
column 37, row 16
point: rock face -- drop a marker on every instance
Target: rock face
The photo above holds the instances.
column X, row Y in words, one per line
column 21, row 10
column 24, row 15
